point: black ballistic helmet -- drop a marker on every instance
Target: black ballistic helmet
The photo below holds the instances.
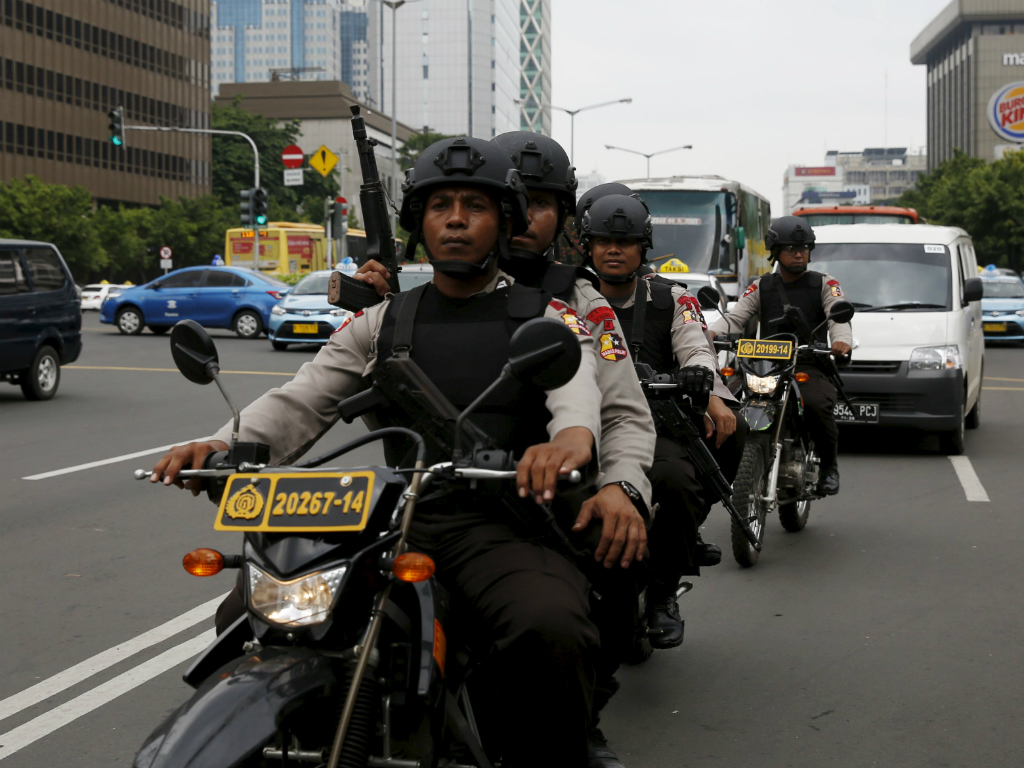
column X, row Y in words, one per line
column 788, row 230
column 470, row 162
column 619, row 216
column 596, row 193
column 543, row 165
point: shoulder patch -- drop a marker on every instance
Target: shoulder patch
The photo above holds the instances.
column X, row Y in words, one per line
column 348, row 320
column 750, row 289
column 691, row 310
column 573, row 320
column 556, row 304
column 834, row 289
column 612, row 348
column 601, row 313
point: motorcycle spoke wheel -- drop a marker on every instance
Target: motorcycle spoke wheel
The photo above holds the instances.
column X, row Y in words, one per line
column 748, row 489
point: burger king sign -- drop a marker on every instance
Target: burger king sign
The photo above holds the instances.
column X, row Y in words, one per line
column 1006, row 112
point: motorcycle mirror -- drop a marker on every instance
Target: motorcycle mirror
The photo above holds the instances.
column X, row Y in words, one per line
column 544, row 352
column 194, row 352
column 842, row 312
column 708, row 298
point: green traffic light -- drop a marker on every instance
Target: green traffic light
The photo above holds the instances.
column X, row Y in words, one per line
column 261, row 220
column 117, row 141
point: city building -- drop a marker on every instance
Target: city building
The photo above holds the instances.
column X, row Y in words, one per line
column 875, row 175
column 322, row 109
column 257, row 41
column 458, row 64
column 974, row 52
column 535, row 66
column 66, row 64
column 354, row 48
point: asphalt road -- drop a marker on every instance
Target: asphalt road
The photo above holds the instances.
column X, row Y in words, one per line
column 887, row 633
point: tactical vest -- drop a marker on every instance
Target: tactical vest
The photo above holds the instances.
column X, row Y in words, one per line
column 648, row 326
column 803, row 293
column 462, row 345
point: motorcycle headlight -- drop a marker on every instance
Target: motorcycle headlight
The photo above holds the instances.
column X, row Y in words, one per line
column 339, row 312
column 278, row 310
column 762, row 385
column 297, row 603
column 935, row 358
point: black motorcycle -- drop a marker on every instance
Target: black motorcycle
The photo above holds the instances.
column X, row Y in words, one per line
column 779, row 467
column 349, row 653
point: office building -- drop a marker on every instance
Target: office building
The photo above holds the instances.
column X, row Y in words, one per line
column 974, row 52
column 876, row 175
column 458, row 64
column 353, row 47
column 535, row 66
column 322, row 109
column 67, row 63
column 256, row 41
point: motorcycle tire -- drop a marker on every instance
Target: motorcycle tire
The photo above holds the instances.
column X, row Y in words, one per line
column 748, row 488
column 794, row 516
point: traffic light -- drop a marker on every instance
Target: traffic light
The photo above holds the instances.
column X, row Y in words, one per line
column 339, row 217
column 247, row 206
column 116, row 116
column 259, row 206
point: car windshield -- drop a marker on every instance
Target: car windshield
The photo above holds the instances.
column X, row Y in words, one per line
column 265, row 277
column 821, row 219
column 312, row 284
column 408, row 279
column 684, row 226
column 900, row 275
column 1002, row 289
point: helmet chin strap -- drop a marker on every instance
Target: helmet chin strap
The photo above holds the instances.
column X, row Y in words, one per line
column 525, row 265
column 617, row 279
column 467, row 270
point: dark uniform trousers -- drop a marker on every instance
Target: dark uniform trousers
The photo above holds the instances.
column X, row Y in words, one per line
column 819, row 396
column 524, row 609
column 684, row 503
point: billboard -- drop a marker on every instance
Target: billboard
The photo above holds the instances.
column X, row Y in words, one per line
column 821, row 170
column 1006, row 112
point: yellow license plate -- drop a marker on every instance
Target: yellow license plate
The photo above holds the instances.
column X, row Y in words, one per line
column 770, row 350
column 1001, row 327
column 296, row 502
column 305, row 328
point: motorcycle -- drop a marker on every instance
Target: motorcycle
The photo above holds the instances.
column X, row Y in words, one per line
column 778, row 471
column 349, row 653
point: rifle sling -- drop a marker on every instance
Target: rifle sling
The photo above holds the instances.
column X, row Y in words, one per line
column 405, row 319
column 636, row 339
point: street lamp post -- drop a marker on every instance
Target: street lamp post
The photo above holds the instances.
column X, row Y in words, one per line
column 649, row 155
column 572, row 121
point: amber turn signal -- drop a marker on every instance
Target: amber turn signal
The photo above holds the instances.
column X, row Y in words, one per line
column 801, row 377
column 727, row 371
column 203, row 562
column 413, row 566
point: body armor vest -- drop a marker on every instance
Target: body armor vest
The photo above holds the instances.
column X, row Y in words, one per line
column 803, row 293
column 654, row 336
column 462, row 345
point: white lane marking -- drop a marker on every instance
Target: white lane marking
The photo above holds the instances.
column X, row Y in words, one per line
column 968, row 478
column 79, row 672
column 47, row 723
column 104, row 462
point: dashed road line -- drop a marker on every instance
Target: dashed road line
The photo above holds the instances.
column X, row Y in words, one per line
column 167, row 370
column 968, row 478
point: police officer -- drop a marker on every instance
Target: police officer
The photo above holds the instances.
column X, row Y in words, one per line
column 790, row 240
column 664, row 327
column 527, row 603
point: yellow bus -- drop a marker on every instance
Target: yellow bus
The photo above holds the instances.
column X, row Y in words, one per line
column 290, row 248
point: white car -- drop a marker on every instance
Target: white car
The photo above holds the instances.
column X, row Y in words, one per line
column 694, row 281
column 94, row 295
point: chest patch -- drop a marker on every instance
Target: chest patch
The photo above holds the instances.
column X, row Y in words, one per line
column 612, row 347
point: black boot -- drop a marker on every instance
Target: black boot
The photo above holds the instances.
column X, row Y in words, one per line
column 665, row 625
column 706, row 554
column 828, row 485
column 599, row 754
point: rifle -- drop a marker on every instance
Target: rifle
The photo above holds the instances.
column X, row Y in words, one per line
column 345, row 291
column 673, row 417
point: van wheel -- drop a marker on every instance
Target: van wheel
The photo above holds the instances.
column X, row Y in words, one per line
column 974, row 417
column 952, row 443
column 129, row 321
column 40, row 381
column 247, row 325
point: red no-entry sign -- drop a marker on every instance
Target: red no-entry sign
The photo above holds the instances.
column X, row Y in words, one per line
column 292, row 156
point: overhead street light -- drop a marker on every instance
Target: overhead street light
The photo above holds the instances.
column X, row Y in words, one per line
column 649, row 155
column 572, row 120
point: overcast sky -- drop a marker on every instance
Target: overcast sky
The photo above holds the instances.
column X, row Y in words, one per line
column 754, row 85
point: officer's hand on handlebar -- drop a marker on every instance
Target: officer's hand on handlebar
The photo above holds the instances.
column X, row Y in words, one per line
column 840, row 348
column 696, row 382
column 623, row 533
column 180, row 457
column 541, row 465
column 376, row 274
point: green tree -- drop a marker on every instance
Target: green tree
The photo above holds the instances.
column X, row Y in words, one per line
column 412, row 148
column 33, row 210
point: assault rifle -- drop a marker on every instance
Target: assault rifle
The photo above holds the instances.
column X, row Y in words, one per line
column 674, row 418
column 345, row 291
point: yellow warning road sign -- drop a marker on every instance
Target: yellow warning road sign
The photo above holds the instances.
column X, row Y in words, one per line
column 323, row 160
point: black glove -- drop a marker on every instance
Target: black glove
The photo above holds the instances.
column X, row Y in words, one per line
column 697, row 383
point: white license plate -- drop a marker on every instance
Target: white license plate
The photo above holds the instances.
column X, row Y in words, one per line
column 862, row 413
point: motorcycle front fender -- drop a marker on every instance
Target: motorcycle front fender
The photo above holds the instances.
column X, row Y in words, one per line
column 759, row 414
column 236, row 710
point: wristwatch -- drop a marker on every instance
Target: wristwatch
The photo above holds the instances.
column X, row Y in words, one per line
column 634, row 496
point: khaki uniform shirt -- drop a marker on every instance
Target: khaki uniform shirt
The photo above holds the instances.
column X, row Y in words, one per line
column 749, row 306
column 292, row 418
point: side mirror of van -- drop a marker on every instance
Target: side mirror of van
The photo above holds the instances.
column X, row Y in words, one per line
column 972, row 289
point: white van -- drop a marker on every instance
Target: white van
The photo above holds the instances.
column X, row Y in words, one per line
column 920, row 355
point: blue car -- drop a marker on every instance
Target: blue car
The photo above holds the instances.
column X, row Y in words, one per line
column 215, row 297
column 1002, row 308
column 304, row 316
